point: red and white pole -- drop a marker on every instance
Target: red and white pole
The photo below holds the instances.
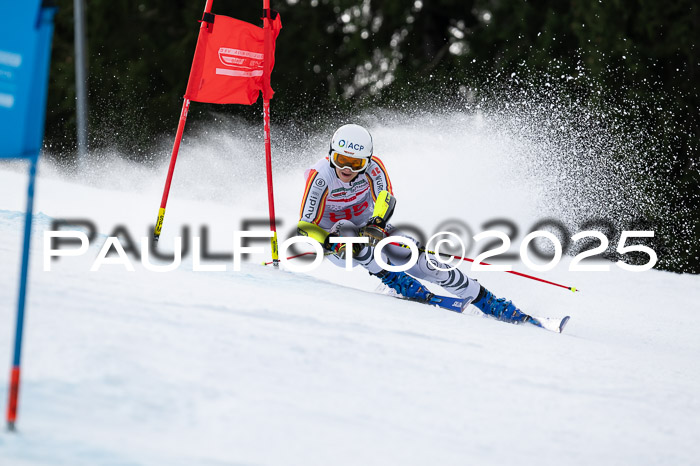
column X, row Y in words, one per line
column 267, row 26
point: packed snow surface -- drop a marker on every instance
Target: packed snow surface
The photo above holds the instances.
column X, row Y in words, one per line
column 270, row 367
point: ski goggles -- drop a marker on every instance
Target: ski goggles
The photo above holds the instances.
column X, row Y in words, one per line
column 345, row 161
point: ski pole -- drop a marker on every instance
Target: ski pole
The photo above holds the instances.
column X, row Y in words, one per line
column 520, row 274
column 571, row 288
column 298, row 255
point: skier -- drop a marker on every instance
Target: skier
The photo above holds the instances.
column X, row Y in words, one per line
column 340, row 196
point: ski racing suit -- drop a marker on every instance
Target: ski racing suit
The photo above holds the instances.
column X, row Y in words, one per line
column 343, row 209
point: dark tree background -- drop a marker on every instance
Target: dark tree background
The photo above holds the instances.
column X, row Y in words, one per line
column 336, row 56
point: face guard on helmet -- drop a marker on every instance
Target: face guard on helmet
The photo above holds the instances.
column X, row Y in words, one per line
column 351, row 147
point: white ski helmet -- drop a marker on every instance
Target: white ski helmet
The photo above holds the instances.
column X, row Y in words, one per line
column 351, row 141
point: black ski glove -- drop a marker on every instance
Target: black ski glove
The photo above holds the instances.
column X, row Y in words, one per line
column 340, row 249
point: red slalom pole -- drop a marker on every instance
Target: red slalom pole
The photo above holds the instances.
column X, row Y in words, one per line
column 178, row 138
column 266, row 126
column 171, row 168
column 270, row 193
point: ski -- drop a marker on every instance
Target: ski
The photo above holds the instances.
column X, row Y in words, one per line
column 449, row 303
column 444, row 302
column 458, row 305
column 550, row 323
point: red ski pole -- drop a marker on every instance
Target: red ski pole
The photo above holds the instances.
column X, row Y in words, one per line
column 570, row 288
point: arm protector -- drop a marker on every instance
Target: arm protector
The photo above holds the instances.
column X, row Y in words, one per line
column 313, row 231
column 383, row 210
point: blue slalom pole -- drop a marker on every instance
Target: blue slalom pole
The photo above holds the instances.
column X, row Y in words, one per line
column 14, row 376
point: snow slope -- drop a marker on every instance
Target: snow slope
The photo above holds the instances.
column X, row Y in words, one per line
column 273, row 367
